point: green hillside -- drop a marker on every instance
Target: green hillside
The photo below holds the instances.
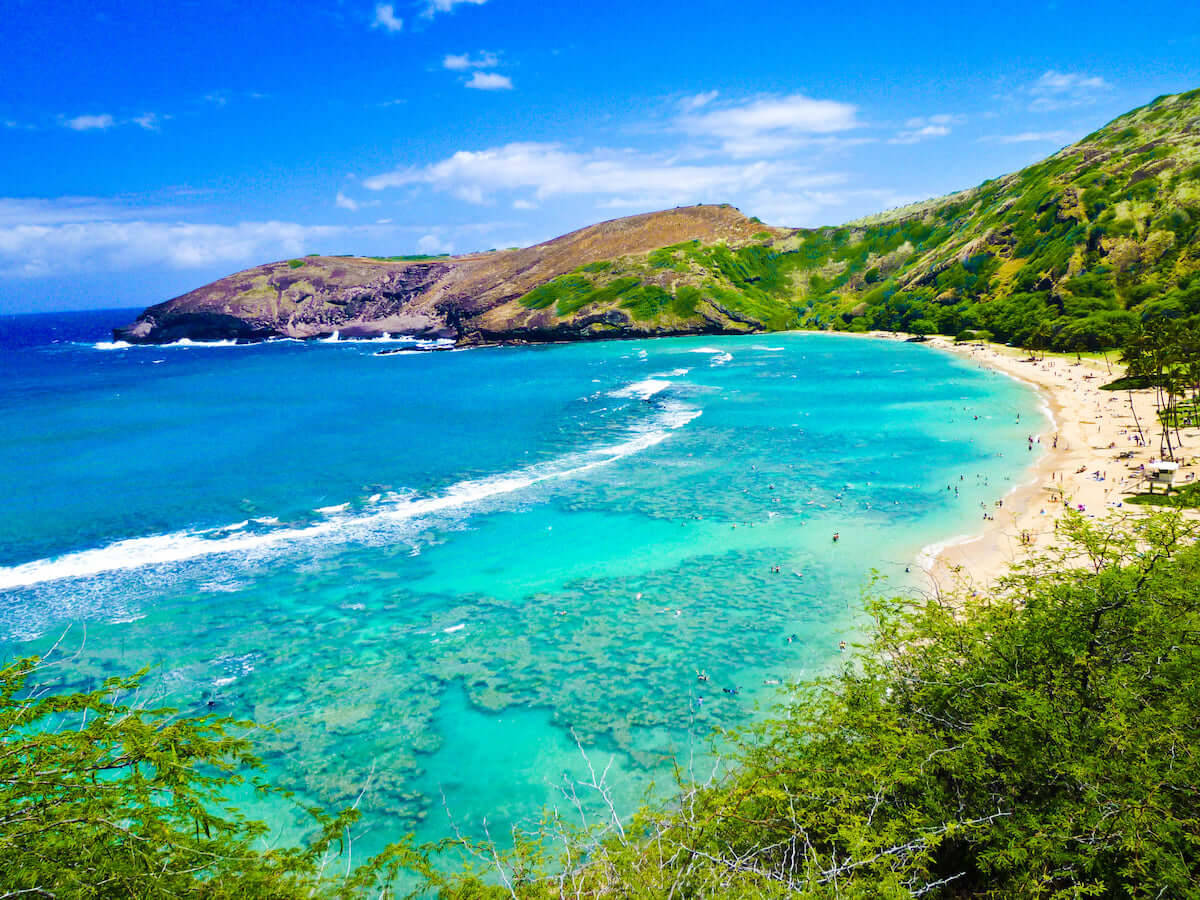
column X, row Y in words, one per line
column 1069, row 253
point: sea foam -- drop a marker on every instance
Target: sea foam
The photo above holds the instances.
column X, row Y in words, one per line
column 641, row 389
column 339, row 524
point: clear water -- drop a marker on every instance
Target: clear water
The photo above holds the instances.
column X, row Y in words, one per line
column 443, row 574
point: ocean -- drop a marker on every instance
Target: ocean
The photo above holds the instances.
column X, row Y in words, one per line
column 452, row 580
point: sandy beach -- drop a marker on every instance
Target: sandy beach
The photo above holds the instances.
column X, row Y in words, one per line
column 1088, row 458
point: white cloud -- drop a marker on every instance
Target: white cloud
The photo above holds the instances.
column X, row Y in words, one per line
column 523, row 204
column 385, row 18
column 460, row 62
column 820, row 207
column 440, row 6
column 433, row 244
column 922, row 128
column 690, row 104
column 45, row 250
column 1029, row 137
column 490, row 81
column 344, row 202
column 768, row 125
column 100, row 122
column 61, row 210
column 42, row 238
column 617, row 178
column 1061, row 90
column 147, row 121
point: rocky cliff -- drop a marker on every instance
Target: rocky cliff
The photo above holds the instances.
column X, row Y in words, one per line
column 470, row 298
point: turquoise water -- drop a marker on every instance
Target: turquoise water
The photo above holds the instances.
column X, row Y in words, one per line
column 444, row 575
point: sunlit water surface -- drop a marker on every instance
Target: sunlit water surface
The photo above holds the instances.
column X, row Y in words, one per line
column 440, row 574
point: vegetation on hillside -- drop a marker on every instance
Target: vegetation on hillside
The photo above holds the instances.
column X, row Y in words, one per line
column 1073, row 252
column 1039, row 740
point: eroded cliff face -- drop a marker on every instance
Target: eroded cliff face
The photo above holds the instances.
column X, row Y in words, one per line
column 472, row 298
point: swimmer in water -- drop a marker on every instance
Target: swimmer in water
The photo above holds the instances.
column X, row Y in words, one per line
column 701, row 675
column 842, row 646
column 835, row 537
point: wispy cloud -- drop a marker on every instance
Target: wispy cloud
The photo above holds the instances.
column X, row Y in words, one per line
column 147, row 121
column 461, row 62
column 433, row 7
column 696, row 101
column 16, row 211
column 99, row 122
column 1029, row 137
column 923, row 128
column 50, row 237
column 615, row 178
column 1060, row 90
column 490, row 81
column 344, row 202
column 767, row 125
column 433, row 243
column 385, row 18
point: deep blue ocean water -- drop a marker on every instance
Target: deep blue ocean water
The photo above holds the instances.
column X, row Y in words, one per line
column 443, row 574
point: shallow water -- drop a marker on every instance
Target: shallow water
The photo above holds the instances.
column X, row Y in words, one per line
column 443, row 576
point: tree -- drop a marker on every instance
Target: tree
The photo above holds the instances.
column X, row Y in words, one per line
column 100, row 797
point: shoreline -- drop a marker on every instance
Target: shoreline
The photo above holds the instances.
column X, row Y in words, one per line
column 1087, row 432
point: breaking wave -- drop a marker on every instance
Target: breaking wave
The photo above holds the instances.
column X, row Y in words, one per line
column 341, row 523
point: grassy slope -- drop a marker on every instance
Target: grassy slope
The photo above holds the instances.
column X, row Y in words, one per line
column 1068, row 252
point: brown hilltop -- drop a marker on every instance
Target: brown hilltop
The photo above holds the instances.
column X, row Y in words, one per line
column 458, row 297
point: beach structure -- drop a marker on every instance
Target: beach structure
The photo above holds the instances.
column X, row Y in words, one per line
column 1161, row 472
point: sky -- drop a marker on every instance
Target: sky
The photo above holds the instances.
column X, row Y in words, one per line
column 147, row 148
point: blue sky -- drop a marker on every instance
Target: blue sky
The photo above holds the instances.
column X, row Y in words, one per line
column 148, row 148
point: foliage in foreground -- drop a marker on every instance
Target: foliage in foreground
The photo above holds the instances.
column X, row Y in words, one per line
column 101, row 797
column 1042, row 741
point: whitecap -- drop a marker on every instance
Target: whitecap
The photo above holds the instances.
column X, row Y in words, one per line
column 641, row 389
column 719, row 357
column 182, row 546
column 674, row 373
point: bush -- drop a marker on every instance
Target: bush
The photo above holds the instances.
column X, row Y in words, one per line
column 99, row 798
column 1037, row 741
